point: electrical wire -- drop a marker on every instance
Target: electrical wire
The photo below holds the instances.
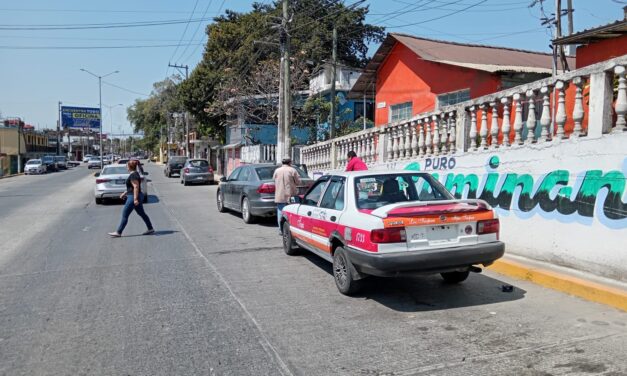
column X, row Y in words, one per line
column 98, row 25
column 185, row 30
column 197, row 28
column 89, row 47
column 196, row 49
column 439, row 17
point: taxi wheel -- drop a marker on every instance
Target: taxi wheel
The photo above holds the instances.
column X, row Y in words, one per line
column 289, row 247
column 342, row 273
column 220, row 202
column 455, row 277
column 98, row 201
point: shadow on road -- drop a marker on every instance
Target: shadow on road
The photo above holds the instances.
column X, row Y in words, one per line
column 429, row 292
column 156, row 233
column 259, row 221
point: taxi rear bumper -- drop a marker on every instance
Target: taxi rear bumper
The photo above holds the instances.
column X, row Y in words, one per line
column 425, row 261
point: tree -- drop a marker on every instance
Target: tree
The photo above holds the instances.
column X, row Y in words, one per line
column 153, row 114
column 240, row 60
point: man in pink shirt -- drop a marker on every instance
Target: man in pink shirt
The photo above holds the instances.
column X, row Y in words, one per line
column 354, row 163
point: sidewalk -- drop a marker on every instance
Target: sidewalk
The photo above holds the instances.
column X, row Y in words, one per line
column 570, row 281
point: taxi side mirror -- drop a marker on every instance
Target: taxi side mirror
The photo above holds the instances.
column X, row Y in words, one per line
column 223, row 179
column 97, row 174
column 296, row 200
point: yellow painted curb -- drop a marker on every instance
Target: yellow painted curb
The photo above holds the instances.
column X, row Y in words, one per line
column 588, row 290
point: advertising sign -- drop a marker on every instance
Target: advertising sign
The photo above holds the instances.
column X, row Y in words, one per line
column 80, row 117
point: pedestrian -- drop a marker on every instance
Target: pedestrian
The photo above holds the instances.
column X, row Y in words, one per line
column 355, row 163
column 134, row 198
column 286, row 182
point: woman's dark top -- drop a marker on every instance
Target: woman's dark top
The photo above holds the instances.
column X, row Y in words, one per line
column 129, row 186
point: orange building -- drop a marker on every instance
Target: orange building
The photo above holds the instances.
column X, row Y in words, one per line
column 409, row 75
column 598, row 44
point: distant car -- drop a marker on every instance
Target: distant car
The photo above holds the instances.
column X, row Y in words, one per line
column 48, row 161
column 94, row 162
column 197, row 171
column 86, row 158
column 61, row 162
column 391, row 224
column 34, row 166
column 73, row 163
column 106, row 159
column 250, row 190
column 174, row 165
column 111, row 183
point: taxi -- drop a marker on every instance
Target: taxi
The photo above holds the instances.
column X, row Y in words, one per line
column 390, row 224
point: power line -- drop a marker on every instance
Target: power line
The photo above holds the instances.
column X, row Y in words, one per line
column 439, row 17
column 197, row 28
column 88, row 47
column 52, row 10
column 184, row 30
column 196, row 49
column 99, row 25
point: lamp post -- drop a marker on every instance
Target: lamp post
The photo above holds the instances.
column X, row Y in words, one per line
column 111, row 124
column 100, row 106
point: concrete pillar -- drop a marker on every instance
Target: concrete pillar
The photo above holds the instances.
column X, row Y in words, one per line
column 600, row 105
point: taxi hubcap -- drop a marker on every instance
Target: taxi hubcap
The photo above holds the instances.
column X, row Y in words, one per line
column 245, row 209
column 340, row 271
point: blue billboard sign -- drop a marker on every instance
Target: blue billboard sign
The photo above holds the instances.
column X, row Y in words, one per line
column 80, row 117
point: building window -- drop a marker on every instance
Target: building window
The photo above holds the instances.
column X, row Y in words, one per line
column 359, row 110
column 454, row 97
column 400, row 112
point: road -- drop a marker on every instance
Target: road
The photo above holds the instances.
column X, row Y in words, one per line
column 210, row 295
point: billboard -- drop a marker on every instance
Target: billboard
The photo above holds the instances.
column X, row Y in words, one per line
column 80, row 117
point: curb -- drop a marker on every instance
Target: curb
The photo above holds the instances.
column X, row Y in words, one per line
column 589, row 290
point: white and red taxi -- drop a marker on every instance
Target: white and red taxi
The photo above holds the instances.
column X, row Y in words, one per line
column 391, row 224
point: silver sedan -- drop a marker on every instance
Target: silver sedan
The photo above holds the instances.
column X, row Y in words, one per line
column 111, row 183
column 34, row 166
column 196, row 171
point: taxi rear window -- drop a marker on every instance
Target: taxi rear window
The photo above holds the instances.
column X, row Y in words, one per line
column 374, row 191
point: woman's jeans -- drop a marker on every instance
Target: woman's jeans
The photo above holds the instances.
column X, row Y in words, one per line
column 129, row 206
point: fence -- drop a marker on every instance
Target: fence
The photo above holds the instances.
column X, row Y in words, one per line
column 258, row 154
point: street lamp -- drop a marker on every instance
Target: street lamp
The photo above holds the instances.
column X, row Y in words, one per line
column 100, row 106
column 111, row 124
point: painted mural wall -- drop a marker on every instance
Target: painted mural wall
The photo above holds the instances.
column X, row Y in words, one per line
column 566, row 203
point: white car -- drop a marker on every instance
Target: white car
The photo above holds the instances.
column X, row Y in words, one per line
column 391, row 224
column 87, row 157
column 111, row 183
column 34, row 166
column 94, row 162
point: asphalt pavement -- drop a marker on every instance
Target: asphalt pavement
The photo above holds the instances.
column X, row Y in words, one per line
column 210, row 295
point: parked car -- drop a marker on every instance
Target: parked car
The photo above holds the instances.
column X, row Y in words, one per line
column 250, row 190
column 34, row 166
column 86, row 158
column 94, row 162
column 61, row 162
column 49, row 162
column 391, row 224
column 111, row 183
column 174, row 165
column 197, row 171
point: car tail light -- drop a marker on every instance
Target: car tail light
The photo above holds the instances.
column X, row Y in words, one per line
column 210, row 170
column 99, row 181
column 266, row 188
column 186, row 170
column 388, row 235
column 489, row 226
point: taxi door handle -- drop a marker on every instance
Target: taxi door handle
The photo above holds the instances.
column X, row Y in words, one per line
column 333, row 218
column 309, row 213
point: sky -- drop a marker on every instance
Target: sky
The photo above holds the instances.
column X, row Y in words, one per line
column 39, row 68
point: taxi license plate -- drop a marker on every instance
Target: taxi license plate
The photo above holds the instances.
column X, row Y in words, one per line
column 119, row 181
column 433, row 234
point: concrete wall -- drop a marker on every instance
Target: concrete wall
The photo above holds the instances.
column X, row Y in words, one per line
column 564, row 203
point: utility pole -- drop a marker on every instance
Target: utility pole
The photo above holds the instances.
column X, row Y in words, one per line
column 285, row 96
column 187, row 151
column 333, row 79
column 569, row 4
column 59, row 131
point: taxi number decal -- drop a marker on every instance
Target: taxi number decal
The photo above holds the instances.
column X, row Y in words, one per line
column 360, row 237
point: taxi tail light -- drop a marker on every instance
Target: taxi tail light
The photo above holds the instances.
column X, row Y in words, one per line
column 266, row 188
column 488, row 226
column 388, row 235
column 100, row 181
column 210, row 170
column 186, row 170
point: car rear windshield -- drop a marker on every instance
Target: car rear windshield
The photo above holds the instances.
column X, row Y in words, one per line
column 199, row 163
column 177, row 160
column 267, row 172
column 59, row 158
column 34, row 161
column 374, row 191
column 115, row 170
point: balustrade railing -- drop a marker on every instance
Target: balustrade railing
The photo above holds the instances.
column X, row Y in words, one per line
column 587, row 102
column 258, row 154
